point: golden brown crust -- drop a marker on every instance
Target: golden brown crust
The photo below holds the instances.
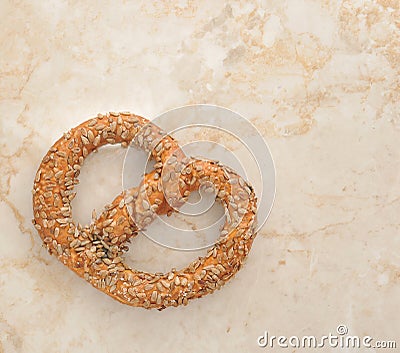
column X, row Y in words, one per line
column 95, row 252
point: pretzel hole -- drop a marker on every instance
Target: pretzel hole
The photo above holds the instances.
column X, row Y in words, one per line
column 146, row 255
column 173, row 242
column 187, row 231
column 99, row 182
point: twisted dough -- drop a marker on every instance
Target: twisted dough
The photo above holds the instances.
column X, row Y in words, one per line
column 95, row 252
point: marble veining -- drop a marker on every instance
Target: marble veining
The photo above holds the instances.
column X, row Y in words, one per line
column 319, row 79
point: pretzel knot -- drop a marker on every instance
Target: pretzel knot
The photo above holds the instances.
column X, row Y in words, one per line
column 95, row 252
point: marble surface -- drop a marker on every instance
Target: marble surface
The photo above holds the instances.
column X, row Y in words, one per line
column 319, row 79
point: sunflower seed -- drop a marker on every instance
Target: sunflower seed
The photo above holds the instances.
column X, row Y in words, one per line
column 99, row 127
column 96, row 140
column 147, row 132
column 146, row 204
column 148, row 287
column 242, row 210
column 92, row 122
column 132, row 119
column 107, row 222
column 128, row 200
column 153, row 297
column 172, row 160
column 158, row 147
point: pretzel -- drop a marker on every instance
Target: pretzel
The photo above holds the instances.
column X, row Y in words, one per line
column 95, row 252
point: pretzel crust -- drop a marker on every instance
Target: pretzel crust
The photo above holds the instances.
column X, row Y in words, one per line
column 95, row 252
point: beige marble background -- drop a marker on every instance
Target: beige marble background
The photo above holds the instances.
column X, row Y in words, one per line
column 319, row 79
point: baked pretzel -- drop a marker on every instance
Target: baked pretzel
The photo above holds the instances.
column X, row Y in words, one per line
column 95, row 252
